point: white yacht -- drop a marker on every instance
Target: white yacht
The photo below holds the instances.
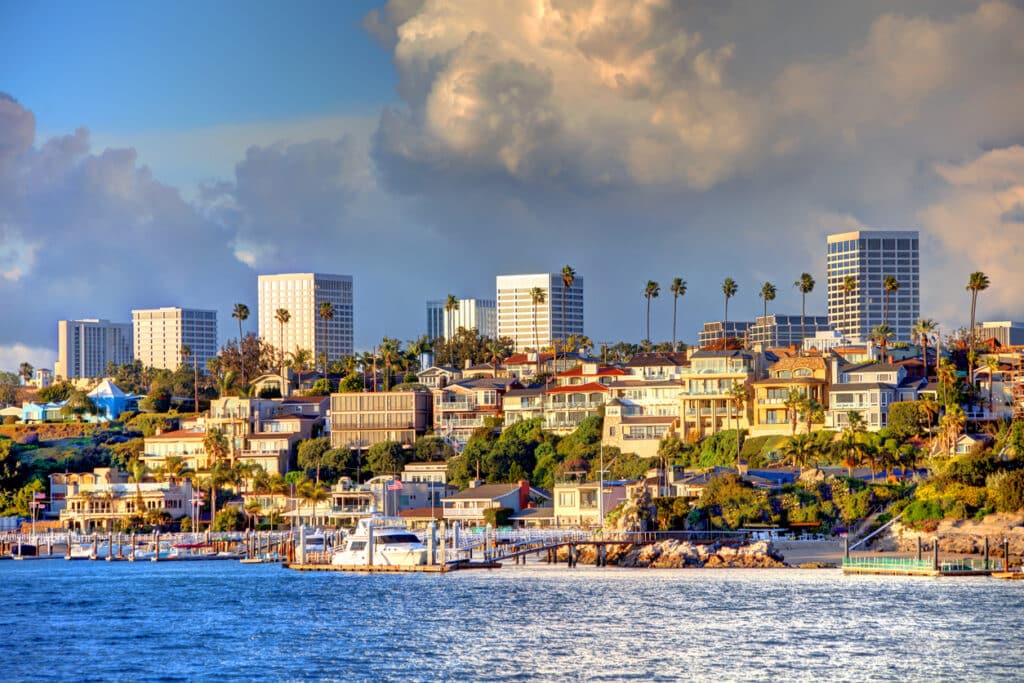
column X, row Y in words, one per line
column 393, row 545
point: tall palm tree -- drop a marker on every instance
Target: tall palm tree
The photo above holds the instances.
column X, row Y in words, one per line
column 678, row 289
column 882, row 335
column 793, row 401
column 738, row 399
column 241, row 313
column 313, row 493
column 651, row 291
column 282, row 316
column 390, row 350
column 537, row 296
column 889, row 285
column 568, row 278
column 300, row 359
column 922, row 332
column 326, row 313
column 806, row 285
column 729, row 289
column 186, row 353
column 216, row 446
column 848, row 287
column 977, row 282
column 798, row 450
column 768, row 293
column 451, row 305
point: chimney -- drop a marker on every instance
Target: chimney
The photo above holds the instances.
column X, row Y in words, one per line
column 158, row 431
column 524, row 494
column 467, row 364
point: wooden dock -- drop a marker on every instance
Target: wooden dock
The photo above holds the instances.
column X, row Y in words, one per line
column 909, row 566
column 389, row 568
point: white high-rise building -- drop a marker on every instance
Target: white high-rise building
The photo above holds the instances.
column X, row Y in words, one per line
column 516, row 309
column 301, row 295
column 160, row 333
column 84, row 347
column 478, row 314
column 869, row 256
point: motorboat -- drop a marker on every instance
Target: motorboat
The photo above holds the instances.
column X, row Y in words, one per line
column 393, row 545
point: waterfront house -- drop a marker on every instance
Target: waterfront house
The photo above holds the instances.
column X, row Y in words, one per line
column 468, row 506
column 359, row 420
column 462, row 407
column 868, row 389
column 105, row 497
column 706, row 405
column 581, row 504
column 522, row 404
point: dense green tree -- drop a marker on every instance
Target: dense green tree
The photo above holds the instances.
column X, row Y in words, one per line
column 55, row 393
column 431, row 448
column 386, row 457
column 321, row 387
column 311, row 456
column 8, row 388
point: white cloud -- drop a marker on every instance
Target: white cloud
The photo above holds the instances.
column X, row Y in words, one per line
column 13, row 355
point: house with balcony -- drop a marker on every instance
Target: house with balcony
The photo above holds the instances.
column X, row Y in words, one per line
column 706, row 404
column 581, row 504
column 806, row 374
column 657, row 366
column 468, row 506
column 525, row 366
column 868, row 389
column 186, row 444
column 105, row 498
column 578, row 393
column 644, row 404
column 637, row 429
column 523, row 404
column 462, row 407
column 438, row 376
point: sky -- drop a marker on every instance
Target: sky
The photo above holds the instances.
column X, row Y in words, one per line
column 165, row 154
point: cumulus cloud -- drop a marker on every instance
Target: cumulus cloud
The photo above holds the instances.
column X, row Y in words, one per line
column 87, row 233
column 584, row 96
column 979, row 224
column 13, row 355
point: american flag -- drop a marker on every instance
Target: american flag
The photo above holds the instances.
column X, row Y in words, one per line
column 395, row 485
column 39, row 495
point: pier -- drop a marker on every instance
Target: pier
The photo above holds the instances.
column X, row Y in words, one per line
column 934, row 566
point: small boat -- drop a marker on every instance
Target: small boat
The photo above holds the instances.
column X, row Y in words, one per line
column 393, row 545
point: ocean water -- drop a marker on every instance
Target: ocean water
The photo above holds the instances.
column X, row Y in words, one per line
column 99, row 621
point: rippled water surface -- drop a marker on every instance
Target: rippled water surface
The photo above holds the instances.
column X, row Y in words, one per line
column 189, row 621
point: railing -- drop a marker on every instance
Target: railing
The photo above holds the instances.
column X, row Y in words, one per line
column 911, row 564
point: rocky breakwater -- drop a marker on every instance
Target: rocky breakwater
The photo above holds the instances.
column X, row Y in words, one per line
column 674, row 554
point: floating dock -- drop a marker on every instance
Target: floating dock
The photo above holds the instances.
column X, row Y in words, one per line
column 909, row 566
column 390, row 568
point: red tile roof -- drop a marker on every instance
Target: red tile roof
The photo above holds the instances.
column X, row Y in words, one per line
column 178, row 435
column 601, row 372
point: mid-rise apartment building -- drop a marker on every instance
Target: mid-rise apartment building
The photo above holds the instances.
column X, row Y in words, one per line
column 301, row 294
column 159, row 334
column 1006, row 333
column 714, row 331
column 84, row 347
column 532, row 325
column 359, row 420
column 777, row 331
column 472, row 314
column 868, row 257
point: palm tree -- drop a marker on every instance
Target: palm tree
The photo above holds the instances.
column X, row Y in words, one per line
column 137, row 473
column 806, row 285
column 326, row 312
column 729, row 289
column 678, row 289
column 768, row 293
column 794, row 399
column 977, row 282
column 738, row 398
column 568, row 278
column 217, row 448
column 537, row 296
column 252, row 511
column 890, row 284
column 25, row 371
column 451, row 305
column 282, row 316
column 798, row 449
column 848, row 287
column 882, row 335
column 951, row 424
column 922, row 331
column 175, row 468
column 313, row 493
column 241, row 313
column 300, row 359
column 651, row 291
column 390, row 350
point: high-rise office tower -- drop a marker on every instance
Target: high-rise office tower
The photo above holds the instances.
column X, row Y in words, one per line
column 84, row 347
column 301, row 294
column 478, row 314
column 868, row 257
column 160, row 333
column 516, row 309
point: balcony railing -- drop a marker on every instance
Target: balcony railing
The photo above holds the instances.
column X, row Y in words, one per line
column 455, row 405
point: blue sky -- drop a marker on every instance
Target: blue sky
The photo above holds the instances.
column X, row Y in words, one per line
column 137, row 66
column 156, row 154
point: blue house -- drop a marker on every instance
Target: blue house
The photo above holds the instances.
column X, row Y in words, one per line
column 111, row 401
